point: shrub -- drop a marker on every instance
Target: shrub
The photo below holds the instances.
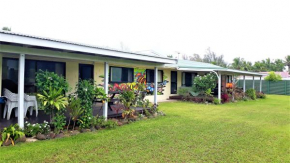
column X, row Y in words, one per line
column 110, row 124
column 12, row 133
column 33, row 129
column 216, row 101
column 182, row 91
column 98, row 122
column 46, row 80
column 251, row 93
column 204, row 83
column 85, row 91
column 260, row 95
column 59, row 122
column 75, row 111
column 273, row 77
column 225, row 98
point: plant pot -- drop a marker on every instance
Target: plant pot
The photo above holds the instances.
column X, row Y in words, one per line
column 40, row 137
column 22, row 139
column 60, row 135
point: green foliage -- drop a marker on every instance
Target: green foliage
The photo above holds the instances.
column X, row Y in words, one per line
column 100, row 94
column 33, row 129
column 127, row 98
column 203, row 84
column 216, row 101
column 98, row 121
column 251, row 93
column 260, row 95
column 58, row 122
column 182, row 91
column 46, row 80
column 273, row 77
column 51, row 100
column 6, row 28
column 110, row 124
column 13, row 132
column 75, row 110
column 85, row 91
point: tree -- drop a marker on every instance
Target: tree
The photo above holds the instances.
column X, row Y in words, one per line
column 287, row 62
column 213, row 58
column 237, row 63
column 195, row 57
column 205, row 83
column 273, row 77
column 6, row 29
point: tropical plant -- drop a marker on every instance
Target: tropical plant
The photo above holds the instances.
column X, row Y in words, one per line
column 100, row 94
column 182, row 91
column 46, row 80
column 98, row 121
column 216, row 101
column 127, row 98
column 33, row 129
column 12, row 133
column 51, row 100
column 85, row 91
column 251, row 93
column 204, row 83
column 58, row 122
column 75, row 111
column 273, row 77
column 110, row 124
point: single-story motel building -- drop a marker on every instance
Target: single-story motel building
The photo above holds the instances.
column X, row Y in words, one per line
column 21, row 56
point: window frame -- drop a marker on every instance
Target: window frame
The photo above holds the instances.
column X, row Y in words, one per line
column 89, row 65
column 162, row 75
column 183, row 80
column 122, row 81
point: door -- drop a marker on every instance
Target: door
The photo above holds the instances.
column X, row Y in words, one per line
column 173, row 82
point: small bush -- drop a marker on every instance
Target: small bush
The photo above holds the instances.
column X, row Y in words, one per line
column 272, row 76
column 182, row 91
column 33, row 129
column 251, row 93
column 225, row 98
column 216, row 101
column 110, row 124
column 260, row 95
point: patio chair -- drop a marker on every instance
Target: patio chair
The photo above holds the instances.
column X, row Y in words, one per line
column 30, row 102
column 11, row 103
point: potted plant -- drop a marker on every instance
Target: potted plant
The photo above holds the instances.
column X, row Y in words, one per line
column 11, row 134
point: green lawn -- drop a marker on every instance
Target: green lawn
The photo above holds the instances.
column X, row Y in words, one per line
column 252, row 131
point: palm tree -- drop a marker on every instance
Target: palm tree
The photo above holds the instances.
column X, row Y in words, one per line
column 237, row 63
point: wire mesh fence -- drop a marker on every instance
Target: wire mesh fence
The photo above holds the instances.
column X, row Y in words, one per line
column 268, row 87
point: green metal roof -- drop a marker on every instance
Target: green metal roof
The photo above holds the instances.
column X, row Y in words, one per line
column 186, row 65
column 197, row 65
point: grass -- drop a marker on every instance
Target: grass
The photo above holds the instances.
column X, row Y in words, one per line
column 252, row 131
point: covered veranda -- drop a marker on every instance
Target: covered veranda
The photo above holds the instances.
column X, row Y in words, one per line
column 25, row 47
column 224, row 75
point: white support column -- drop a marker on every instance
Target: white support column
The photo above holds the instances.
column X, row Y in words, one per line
column 253, row 82
column 244, row 84
column 21, row 90
column 260, row 83
column 155, row 84
column 219, row 86
column 106, row 88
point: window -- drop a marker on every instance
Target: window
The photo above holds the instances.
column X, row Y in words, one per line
column 150, row 78
column 86, row 71
column 187, row 79
column 121, row 75
column 10, row 73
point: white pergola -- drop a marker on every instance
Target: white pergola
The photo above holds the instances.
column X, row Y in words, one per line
column 22, row 45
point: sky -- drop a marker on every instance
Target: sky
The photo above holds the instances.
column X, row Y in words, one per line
column 250, row 29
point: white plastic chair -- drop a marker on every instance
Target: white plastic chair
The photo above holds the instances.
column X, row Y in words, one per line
column 30, row 102
column 11, row 103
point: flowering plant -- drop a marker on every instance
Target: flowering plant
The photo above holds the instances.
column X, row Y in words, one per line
column 33, row 129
